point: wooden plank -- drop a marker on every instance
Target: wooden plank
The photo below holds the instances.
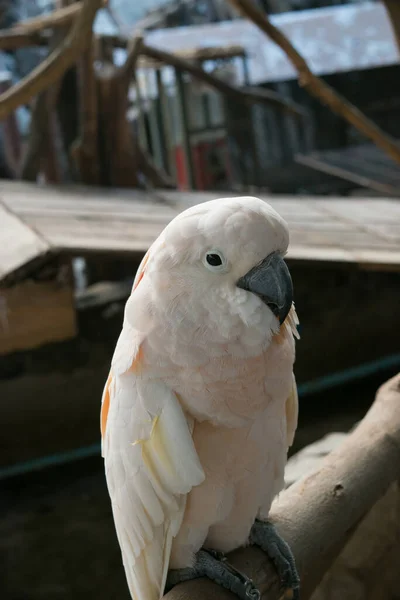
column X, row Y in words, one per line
column 19, row 244
column 198, row 54
column 24, row 198
column 368, row 258
column 365, row 165
column 78, row 220
column 93, row 236
column 35, row 313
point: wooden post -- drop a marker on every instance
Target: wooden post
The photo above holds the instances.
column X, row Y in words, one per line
column 12, row 140
column 143, row 142
column 155, row 123
column 170, row 165
column 180, row 88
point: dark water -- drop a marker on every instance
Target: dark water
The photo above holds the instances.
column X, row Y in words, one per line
column 57, row 539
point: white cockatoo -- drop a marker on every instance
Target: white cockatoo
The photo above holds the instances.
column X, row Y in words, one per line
column 200, row 406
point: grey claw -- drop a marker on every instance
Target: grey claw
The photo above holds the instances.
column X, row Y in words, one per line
column 264, row 535
column 214, row 565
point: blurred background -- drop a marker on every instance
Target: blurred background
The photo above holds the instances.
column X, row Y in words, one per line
column 115, row 116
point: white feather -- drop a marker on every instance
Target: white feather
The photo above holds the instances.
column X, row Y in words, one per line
column 151, row 465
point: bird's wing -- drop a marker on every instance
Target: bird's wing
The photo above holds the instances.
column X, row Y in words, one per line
column 292, row 403
column 151, row 465
column 292, row 413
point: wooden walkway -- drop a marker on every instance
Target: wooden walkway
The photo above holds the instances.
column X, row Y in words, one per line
column 36, row 220
column 365, row 165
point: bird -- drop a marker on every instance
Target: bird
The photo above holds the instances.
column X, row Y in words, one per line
column 200, row 405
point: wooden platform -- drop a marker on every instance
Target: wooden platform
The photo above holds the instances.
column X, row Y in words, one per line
column 82, row 221
column 365, row 165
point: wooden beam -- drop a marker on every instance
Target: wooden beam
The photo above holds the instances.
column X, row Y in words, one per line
column 248, row 95
column 55, row 65
column 185, row 128
column 317, row 87
column 11, row 135
column 34, row 313
column 393, row 9
column 19, row 244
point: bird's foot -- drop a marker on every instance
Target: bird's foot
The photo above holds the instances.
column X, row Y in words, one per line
column 214, row 565
column 264, row 535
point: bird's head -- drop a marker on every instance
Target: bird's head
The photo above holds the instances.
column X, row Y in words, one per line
column 218, row 269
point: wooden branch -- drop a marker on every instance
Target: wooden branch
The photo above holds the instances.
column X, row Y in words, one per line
column 367, row 567
column 55, row 65
column 40, row 152
column 57, row 18
column 318, row 514
column 125, row 158
column 127, row 71
column 13, row 39
column 32, row 32
column 315, row 86
column 12, row 146
column 393, row 10
column 119, row 159
column 155, row 175
column 51, row 160
column 85, row 151
column 35, row 149
column 246, row 95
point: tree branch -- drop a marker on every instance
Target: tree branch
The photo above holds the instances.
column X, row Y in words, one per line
column 247, row 95
column 316, row 86
column 55, row 65
column 318, row 514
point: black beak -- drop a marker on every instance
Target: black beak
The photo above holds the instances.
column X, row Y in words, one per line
column 271, row 281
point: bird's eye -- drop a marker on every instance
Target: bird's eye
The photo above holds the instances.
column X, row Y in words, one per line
column 215, row 260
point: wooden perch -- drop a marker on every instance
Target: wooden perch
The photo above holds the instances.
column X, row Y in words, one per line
column 247, row 95
column 316, row 86
column 318, row 514
column 54, row 66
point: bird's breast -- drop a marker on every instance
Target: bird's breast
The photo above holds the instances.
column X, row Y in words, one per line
column 231, row 389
